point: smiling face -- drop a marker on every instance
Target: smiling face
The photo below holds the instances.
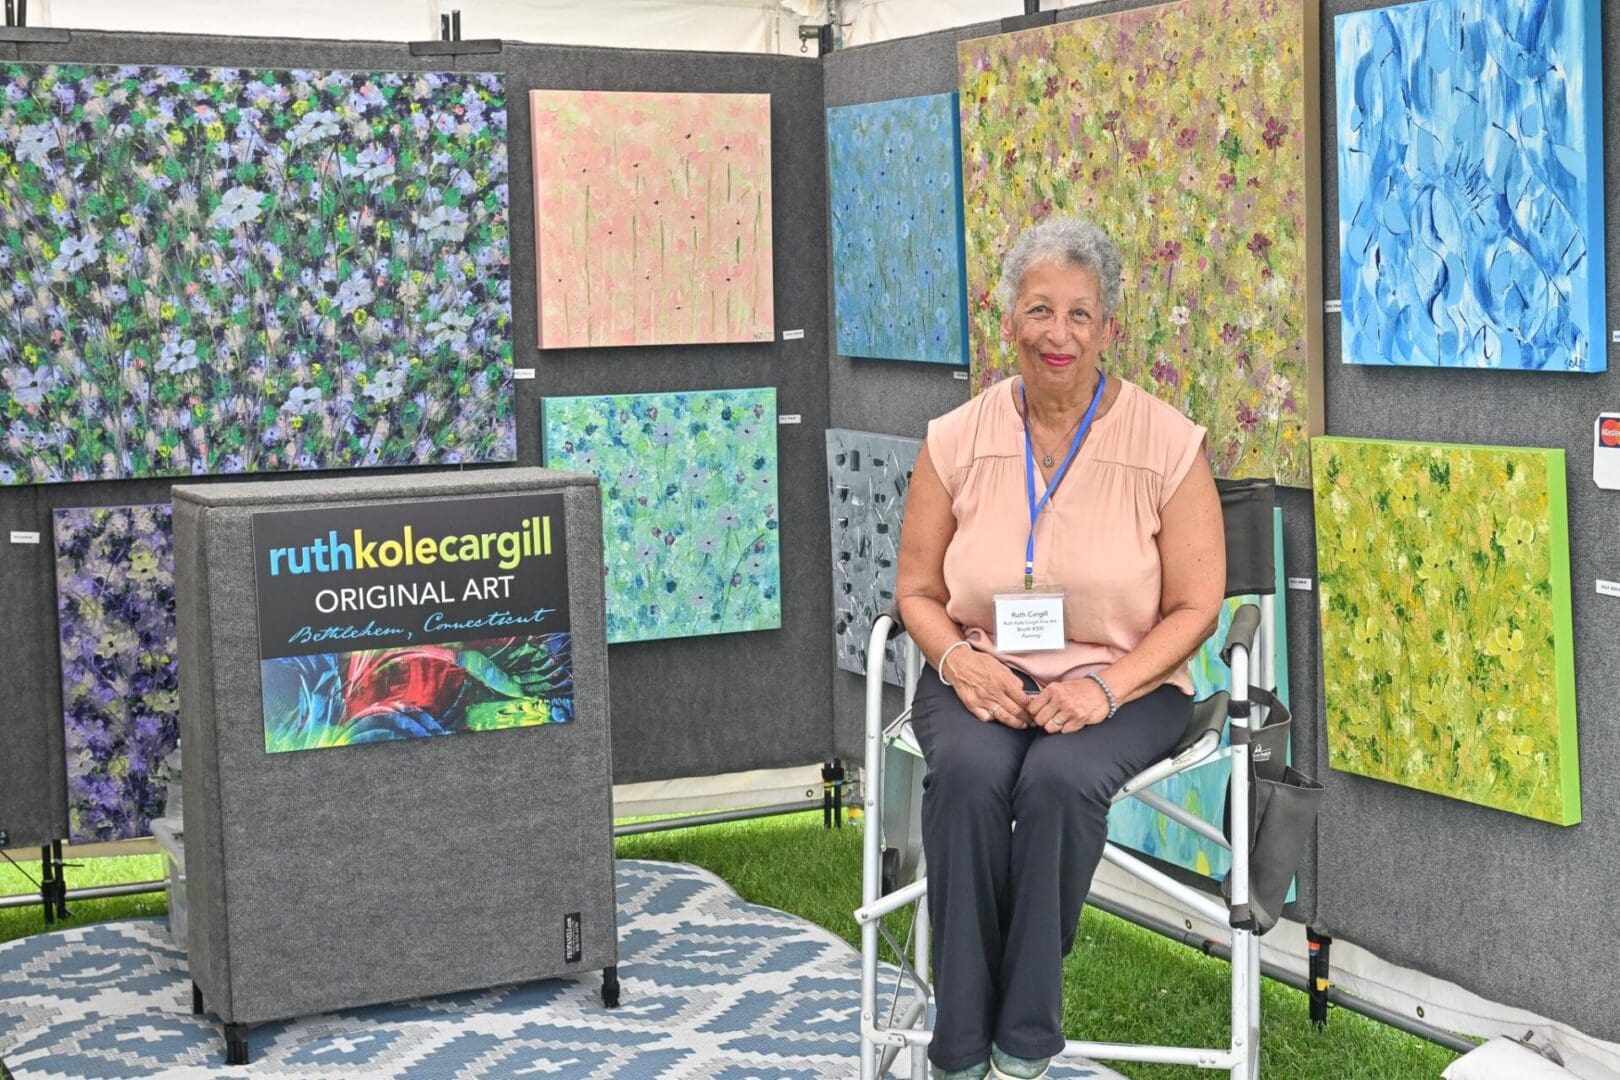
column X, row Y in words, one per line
column 1057, row 328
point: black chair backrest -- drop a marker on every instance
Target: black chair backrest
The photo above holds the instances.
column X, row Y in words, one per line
column 1251, row 562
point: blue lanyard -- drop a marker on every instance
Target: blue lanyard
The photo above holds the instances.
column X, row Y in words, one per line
column 1035, row 508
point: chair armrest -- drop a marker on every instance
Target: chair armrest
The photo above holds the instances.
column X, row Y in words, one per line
column 1244, row 625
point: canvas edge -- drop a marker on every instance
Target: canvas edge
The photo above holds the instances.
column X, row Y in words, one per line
column 1569, row 764
column 1315, row 223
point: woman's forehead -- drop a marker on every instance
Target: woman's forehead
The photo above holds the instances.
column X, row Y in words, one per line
column 1055, row 279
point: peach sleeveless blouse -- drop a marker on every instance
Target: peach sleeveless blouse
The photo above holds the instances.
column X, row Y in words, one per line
column 1097, row 536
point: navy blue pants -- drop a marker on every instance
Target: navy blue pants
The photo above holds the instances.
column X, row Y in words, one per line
column 1005, row 903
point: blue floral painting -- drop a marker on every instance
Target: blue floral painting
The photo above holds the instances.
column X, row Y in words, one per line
column 233, row 270
column 1202, row 790
column 690, row 520
column 1471, row 185
column 895, row 185
column 120, row 683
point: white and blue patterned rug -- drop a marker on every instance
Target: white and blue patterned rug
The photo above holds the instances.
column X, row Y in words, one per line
column 713, row 987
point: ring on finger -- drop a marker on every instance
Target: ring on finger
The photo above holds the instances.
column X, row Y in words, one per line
column 994, row 711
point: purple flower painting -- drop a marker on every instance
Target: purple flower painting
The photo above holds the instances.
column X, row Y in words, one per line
column 120, row 688
column 233, row 270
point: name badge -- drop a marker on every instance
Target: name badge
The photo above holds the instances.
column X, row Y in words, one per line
column 1030, row 620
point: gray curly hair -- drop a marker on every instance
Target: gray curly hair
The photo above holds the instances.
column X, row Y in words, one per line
column 1068, row 242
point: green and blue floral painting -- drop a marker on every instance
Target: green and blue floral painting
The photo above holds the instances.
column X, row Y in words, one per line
column 1470, row 146
column 120, row 677
column 1202, row 790
column 233, row 270
column 690, row 519
column 895, row 181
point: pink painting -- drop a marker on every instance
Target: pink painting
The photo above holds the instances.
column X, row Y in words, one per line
column 652, row 218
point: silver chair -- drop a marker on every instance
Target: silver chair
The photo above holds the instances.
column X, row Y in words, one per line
column 893, row 872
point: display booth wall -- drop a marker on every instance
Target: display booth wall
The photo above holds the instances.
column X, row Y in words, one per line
column 683, row 707
column 1422, row 881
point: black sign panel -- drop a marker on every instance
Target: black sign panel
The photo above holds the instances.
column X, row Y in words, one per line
column 394, row 574
column 401, row 620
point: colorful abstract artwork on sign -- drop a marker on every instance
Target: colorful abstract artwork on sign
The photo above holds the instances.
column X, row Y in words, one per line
column 894, row 183
column 1448, row 660
column 868, row 477
column 653, row 215
column 379, row 695
column 690, row 520
column 235, row 270
column 1188, row 135
column 1202, row 790
column 1470, row 146
column 120, row 682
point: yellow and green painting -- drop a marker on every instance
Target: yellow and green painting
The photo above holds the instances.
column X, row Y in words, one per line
column 1447, row 639
column 1190, row 136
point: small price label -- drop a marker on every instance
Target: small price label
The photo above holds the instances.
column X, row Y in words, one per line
column 789, row 418
column 19, row 536
column 1617, row 337
column 1301, row 584
column 959, row 376
column 1333, row 307
column 1608, row 588
column 523, row 373
column 792, row 335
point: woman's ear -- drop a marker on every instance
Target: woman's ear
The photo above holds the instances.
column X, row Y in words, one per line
column 1007, row 324
column 1112, row 332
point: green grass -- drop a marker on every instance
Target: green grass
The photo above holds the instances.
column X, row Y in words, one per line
column 1122, row 983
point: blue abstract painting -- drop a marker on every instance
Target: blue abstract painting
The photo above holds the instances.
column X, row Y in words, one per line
column 895, row 183
column 1471, row 185
column 1202, row 790
column 690, row 520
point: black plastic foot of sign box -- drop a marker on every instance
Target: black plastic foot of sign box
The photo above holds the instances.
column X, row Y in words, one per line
column 196, row 1000
column 236, row 1044
column 610, row 986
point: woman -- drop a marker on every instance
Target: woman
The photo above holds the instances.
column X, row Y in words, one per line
column 1058, row 653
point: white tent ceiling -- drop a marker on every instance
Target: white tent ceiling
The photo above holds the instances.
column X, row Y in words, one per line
column 770, row 26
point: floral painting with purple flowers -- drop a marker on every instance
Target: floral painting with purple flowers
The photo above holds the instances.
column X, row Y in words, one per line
column 229, row 270
column 120, row 689
column 690, row 524
column 1187, row 132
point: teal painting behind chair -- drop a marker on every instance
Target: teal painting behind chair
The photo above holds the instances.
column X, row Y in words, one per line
column 1202, row 790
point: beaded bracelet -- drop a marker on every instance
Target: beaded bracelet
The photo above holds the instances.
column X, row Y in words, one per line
column 940, row 667
column 1107, row 693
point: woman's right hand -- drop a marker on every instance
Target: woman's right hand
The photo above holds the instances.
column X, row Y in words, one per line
column 988, row 688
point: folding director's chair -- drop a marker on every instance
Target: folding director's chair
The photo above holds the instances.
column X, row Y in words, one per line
column 891, row 791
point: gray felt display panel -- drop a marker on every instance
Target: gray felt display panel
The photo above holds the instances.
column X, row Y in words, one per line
column 674, row 718
column 900, row 399
column 328, row 879
column 1506, row 907
column 867, row 479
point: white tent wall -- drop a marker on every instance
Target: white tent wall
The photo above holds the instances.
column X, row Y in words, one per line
column 866, row 21
column 761, row 26
column 758, row 26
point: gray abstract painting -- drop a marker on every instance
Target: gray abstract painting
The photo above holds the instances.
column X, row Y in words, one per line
column 867, row 479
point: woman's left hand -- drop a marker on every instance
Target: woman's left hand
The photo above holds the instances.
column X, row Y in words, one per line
column 1063, row 707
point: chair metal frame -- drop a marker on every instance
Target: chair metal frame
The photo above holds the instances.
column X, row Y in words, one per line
column 883, row 1037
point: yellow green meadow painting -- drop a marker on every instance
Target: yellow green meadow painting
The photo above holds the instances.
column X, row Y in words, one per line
column 1190, row 134
column 1447, row 639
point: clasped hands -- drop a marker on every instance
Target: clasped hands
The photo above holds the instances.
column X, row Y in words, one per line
column 991, row 691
